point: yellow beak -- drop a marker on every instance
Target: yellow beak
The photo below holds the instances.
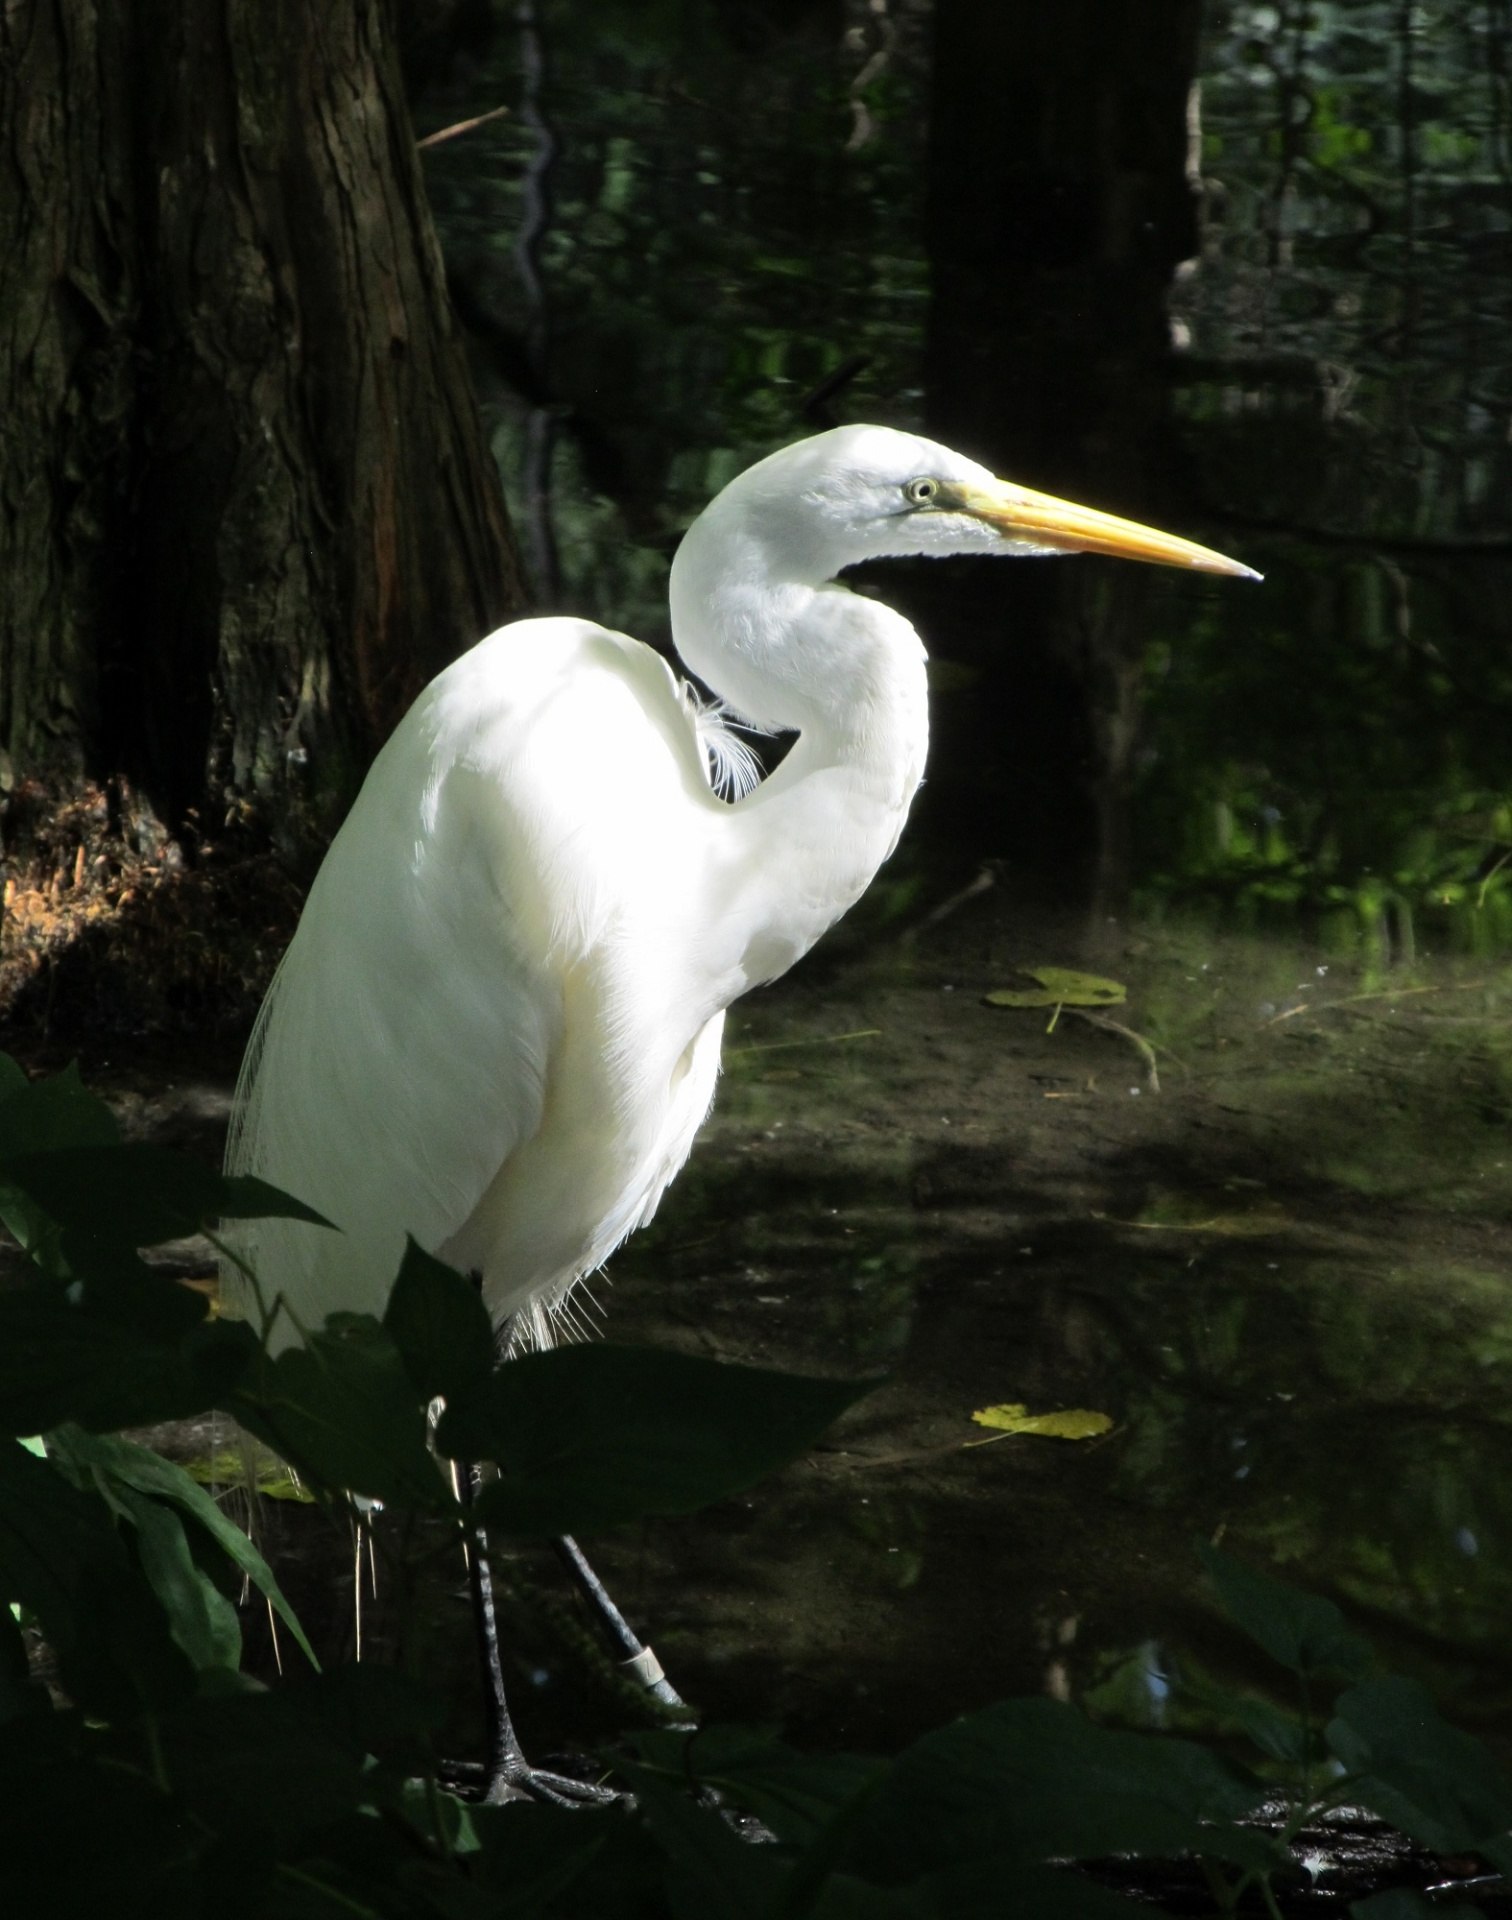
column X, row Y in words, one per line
column 1039, row 519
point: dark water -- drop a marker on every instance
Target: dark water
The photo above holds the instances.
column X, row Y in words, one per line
column 1252, row 285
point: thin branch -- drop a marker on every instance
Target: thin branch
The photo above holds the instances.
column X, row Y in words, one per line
column 461, row 127
column 1356, row 999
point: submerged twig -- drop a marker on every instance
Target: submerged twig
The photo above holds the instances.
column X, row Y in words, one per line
column 1136, row 1040
column 985, row 879
column 1380, row 993
column 818, row 1040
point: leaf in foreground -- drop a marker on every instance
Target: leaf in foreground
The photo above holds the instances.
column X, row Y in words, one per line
column 343, row 1411
column 1300, row 1630
column 150, row 1475
column 137, row 1195
column 1438, row 1784
column 1034, row 1780
column 124, row 1348
column 590, row 1437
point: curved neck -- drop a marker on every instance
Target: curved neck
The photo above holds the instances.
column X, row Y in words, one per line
column 849, row 676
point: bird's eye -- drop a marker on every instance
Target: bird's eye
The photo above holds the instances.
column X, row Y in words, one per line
column 922, row 492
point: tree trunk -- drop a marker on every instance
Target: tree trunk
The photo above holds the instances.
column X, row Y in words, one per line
column 246, row 508
column 1060, row 207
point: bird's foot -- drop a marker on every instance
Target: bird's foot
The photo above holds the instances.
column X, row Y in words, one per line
column 547, row 1788
column 511, row 1777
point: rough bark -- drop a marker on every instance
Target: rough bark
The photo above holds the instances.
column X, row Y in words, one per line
column 246, row 508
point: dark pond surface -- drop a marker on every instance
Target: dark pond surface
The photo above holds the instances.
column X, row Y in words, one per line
column 1252, row 286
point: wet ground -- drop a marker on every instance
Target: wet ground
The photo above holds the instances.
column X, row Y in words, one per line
column 1276, row 1260
column 1281, row 1275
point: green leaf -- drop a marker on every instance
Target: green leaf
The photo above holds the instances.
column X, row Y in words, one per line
column 1299, row 1630
column 126, row 1349
column 993, row 1889
column 1403, row 1903
column 1280, row 1735
column 62, row 1558
column 845, row 1896
column 378, row 1710
column 589, row 1437
column 46, row 1529
column 344, row 1413
column 39, row 1115
column 262, row 1761
column 809, row 1802
column 1033, row 1780
column 12, row 1078
column 530, row 1857
column 200, row 1617
column 139, row 1196
column 20, row 1695
column 436, row 1318
column 150, row 1474
column 440, row 1818
column 138, row 1856
column 709, row 1868
column 796, row 1795
column 1438, row 1784
column 1060, row 987
column 1070, row 1423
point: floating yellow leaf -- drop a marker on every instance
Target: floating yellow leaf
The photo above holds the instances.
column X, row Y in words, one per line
column 1060, row 987
column 1072, row 1423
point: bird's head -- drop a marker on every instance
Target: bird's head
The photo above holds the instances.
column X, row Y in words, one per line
column 861, row 493
column 748, row 611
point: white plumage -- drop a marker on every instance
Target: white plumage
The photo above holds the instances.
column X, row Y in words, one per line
column 497, row 1027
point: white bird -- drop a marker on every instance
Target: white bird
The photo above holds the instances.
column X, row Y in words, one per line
column 498, row 1025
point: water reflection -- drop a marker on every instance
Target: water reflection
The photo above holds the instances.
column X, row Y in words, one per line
column 1282, row 1276
column 1278, row 321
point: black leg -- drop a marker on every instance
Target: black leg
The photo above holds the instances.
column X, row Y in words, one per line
column 504, row 1755
column 639, row 1662
column 508, row 1775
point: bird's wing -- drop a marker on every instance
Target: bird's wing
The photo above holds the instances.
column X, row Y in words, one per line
column 405, row 1050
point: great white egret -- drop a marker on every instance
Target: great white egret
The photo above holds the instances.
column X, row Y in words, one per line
column 498, row 1025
